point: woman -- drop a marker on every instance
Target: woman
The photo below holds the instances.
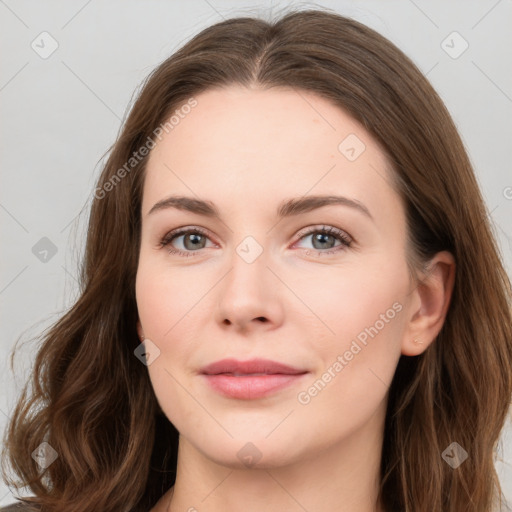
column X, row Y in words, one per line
column 291, row 297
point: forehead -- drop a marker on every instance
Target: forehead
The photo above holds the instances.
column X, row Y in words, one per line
column 238, row 144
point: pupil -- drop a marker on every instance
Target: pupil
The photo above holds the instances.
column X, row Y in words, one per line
column 194, row 238
column 320, row 237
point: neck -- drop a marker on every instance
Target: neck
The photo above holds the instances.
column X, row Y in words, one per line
column 342, row 478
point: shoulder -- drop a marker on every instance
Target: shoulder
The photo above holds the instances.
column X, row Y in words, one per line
column 19, row 507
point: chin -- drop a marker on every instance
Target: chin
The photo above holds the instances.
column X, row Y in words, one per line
column 258, row 453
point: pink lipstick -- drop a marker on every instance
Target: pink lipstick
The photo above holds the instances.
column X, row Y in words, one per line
column 249, row 380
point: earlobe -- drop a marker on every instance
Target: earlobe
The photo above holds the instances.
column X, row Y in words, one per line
column 140, row 332
column 433, row 295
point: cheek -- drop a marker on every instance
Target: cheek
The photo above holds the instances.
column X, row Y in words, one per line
column 349, row 301
column 356, row 364
column 363, row 314
column 165, row 303
column 164, row 298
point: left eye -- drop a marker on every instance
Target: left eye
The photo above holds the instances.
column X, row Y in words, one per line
column 326, row 237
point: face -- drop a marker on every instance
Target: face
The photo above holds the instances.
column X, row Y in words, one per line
column 320, row 290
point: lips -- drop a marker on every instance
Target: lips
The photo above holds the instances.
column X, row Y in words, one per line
column 254, row 366
column 251, row 379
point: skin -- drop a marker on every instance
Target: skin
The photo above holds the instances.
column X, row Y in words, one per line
column 247, row 151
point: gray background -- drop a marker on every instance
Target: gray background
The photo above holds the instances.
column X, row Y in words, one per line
column 62, row 112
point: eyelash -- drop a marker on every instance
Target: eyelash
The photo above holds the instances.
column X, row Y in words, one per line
column 346, row 241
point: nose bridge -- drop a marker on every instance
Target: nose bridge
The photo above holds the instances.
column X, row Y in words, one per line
column 249, row 273
column 247, row 292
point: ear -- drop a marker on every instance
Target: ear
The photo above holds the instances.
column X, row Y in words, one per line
column 140, row 332
column 430, row 301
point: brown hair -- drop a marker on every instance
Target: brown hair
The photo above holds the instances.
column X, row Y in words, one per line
column 91, row 399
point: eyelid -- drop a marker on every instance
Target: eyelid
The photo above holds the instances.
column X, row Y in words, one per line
column 174, row 233
column 326, row 228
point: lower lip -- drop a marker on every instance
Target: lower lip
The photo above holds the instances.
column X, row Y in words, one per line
column 250, row 387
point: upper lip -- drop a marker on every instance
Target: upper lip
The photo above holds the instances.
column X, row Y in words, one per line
column 253, row 366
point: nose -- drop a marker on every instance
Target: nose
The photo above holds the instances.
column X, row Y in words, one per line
column 249, row 297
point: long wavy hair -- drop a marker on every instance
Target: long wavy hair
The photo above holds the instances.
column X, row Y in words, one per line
column 91, row 399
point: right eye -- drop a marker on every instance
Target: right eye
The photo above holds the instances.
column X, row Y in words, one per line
column 193, row 240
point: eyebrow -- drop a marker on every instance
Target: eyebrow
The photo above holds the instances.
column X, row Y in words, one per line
column 288, row 208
